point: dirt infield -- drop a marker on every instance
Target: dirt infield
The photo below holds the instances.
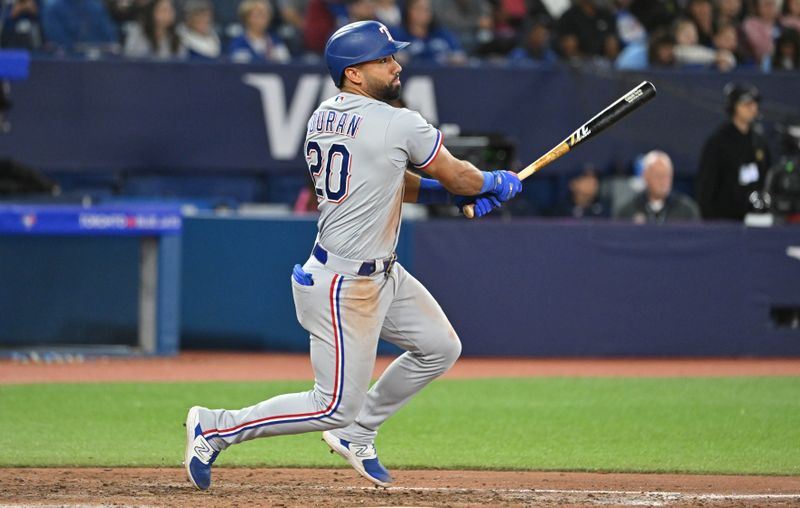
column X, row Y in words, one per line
column 338, row 488
column 342, row 487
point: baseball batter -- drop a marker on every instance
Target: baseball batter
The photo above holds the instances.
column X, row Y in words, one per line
column 351, row 291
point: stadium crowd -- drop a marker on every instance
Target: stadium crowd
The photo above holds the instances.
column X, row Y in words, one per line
column 760, row 35
column 626, row 34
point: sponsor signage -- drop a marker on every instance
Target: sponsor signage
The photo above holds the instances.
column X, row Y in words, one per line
column 44, row 219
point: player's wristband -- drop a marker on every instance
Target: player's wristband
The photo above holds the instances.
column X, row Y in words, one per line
column 488, row 182
column 431, row 192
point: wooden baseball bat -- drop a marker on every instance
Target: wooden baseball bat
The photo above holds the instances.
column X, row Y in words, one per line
column 601, row 121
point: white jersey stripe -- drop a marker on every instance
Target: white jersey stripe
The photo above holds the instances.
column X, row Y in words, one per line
column 437, row 146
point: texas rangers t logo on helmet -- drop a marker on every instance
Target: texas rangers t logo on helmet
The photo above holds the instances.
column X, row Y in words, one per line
column 386, row 32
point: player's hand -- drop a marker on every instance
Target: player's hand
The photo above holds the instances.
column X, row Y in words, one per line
column 506, row 185
column 484, row 203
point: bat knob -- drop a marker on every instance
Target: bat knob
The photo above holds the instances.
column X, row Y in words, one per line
column 469, row 211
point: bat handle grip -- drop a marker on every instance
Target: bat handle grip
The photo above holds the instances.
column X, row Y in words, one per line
column 554, row 153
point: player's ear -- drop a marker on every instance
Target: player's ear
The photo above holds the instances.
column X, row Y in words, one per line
column 354, row 75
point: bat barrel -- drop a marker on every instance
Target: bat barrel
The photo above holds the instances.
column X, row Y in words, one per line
column 632, row 100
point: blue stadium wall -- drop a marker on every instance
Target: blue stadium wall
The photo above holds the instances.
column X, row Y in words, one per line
column 526, row 288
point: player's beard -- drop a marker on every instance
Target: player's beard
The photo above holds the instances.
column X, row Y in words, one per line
column 385, row 92
column 391, row 92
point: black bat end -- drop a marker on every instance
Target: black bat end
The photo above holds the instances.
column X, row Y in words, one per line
column 647, row 88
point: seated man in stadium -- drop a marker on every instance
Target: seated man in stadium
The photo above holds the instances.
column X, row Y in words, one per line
column 658, row 203
column 584, row 199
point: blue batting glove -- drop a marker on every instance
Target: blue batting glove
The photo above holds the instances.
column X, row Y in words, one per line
column 483, row 203
column 503, row 184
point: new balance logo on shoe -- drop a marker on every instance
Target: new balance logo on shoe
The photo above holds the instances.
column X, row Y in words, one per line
column 365, row 451
column 202, row 449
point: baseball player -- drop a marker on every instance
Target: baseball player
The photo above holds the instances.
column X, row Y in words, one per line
column 351, row 291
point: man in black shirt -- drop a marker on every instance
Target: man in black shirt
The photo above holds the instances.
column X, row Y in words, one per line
column 734, row 160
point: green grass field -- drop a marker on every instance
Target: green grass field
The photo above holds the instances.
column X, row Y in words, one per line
column 699, row 425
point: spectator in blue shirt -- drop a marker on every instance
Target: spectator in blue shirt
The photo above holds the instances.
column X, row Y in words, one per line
column 536, row 48
column 429, row 42
column 256, row 44
column 78, row 25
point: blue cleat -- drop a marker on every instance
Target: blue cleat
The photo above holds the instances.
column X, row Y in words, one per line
column 362, row 457
column 199, row 454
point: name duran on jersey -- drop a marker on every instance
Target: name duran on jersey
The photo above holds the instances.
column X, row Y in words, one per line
column 334, row 122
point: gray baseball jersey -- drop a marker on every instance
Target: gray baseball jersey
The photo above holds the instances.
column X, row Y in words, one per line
column 357, row 151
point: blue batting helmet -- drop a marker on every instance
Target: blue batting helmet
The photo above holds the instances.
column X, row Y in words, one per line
column 356, row 43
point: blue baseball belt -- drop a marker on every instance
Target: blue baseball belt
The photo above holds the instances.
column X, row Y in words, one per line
column 365, row 268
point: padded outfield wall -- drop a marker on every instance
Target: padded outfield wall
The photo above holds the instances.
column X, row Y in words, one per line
column 528, row 288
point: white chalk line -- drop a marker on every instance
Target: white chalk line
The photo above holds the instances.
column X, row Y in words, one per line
column 667, row 495
column 632, row 493
column 619, row 497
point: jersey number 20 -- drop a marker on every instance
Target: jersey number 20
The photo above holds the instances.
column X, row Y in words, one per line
column 337, row 170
